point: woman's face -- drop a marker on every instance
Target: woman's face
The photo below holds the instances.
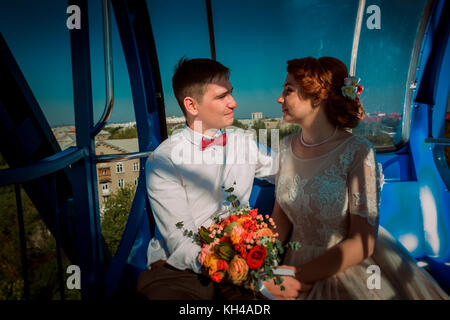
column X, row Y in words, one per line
column 295, row 108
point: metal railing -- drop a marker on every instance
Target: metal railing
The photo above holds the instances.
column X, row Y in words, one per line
column 122, row 156
column 109, row 77
column 46, row 167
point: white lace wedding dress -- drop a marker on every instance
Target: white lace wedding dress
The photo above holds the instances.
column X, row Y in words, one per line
column 318, row 195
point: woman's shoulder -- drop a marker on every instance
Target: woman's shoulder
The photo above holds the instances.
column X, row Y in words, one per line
column 361, row 143
column 357, row 149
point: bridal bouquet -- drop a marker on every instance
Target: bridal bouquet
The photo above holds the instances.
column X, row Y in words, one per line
column 242, row 248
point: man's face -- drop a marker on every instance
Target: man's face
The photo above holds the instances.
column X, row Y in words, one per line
column 215, row 110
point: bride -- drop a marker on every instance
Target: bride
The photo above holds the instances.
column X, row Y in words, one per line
column 328, row 194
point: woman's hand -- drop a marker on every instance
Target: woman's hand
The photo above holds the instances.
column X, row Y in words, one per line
column 292, row 287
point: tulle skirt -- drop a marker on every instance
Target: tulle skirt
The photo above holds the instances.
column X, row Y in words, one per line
column 391, row 273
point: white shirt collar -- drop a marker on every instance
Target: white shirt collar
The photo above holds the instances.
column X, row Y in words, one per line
column 196, row 137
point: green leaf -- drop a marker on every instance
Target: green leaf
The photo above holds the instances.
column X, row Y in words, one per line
column 278, row 280
column 229, row 190
column 180, row 225
column 225, row 251
column 204, row 235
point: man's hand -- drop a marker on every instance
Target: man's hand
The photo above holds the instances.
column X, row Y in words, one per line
column 292, row 287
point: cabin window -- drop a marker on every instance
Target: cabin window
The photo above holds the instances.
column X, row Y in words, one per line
column 263, row 35
column 383, row 63
column 36, row 34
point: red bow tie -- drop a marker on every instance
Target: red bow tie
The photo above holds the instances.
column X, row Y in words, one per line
column 220, row 141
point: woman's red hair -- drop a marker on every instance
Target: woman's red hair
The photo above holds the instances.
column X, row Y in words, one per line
column 321, row 80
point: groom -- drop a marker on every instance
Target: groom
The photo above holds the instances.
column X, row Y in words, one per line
column 186, row 178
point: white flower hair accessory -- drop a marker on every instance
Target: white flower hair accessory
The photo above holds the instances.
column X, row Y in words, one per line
column 351, row 88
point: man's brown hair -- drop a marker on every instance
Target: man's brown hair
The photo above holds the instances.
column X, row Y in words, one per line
column 191, row 77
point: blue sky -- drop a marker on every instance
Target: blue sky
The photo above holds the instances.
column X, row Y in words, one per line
column 253, row 38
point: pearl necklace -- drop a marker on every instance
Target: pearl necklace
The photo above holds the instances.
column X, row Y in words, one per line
column 316, row 144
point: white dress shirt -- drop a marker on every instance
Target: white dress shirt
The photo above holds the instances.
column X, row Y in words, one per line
column 185, row 183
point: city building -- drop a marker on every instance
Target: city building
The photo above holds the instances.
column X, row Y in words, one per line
column 257, row 115
column 113, row 175
column 175, row 120
column 65, row 135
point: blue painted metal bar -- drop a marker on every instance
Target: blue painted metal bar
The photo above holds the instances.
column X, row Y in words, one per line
column 109, row 77
column 122, row 156
column 444, row 142
column 90, row 245
column 26, row 138
column 23, row 243
column 212, row 42
column 42, row 168
column 57, row 234
column 433, row 53
column 414, row 67
column 431, row 97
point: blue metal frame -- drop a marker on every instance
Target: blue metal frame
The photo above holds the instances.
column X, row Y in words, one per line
column 36, row 161
column 428, row 121
column 91, row 251
column 412, row 172
column 42, row 168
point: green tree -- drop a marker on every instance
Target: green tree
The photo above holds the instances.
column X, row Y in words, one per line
column 122, row 132
column 291, row 129
column 171, row 129
column 41, row 252
column 257, row 125
column 115, row 215
column 239, row 124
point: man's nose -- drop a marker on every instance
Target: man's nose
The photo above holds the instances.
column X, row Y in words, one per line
column 280, row 99
column 233, row 103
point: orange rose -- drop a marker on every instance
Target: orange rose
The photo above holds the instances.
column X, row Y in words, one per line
column 264, row 232
column 243, row 219
column 211, row 263
column 237, row 234
column 238, row 269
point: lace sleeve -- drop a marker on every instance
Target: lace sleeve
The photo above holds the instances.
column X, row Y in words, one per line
column 364, row 185
column 284, row 144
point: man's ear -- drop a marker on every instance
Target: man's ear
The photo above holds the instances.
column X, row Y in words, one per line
column 191, row 106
